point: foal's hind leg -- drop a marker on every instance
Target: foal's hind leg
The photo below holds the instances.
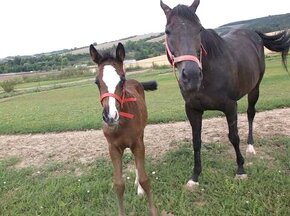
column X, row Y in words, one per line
column 253, row 97
column 231, row 114
column 119, row 185
column 139, row 154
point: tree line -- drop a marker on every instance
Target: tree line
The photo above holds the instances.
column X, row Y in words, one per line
column 141, row 49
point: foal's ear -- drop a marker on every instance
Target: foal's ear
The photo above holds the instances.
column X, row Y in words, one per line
column 120, row 52
column 94, row 54
column 194, row 5
column 165, row 8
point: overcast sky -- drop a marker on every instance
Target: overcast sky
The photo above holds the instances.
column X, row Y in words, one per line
column 35, row 26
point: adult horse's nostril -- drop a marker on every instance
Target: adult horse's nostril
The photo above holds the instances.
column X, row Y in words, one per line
column 184, row 75
column 200, row 74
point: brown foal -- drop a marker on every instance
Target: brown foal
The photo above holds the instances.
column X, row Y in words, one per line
column 125, row 117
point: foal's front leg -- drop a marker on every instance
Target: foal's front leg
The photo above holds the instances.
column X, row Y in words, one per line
column 119, row 185
column 139, row 155
column 195, row 119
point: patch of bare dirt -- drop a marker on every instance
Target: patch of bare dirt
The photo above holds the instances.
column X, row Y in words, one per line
column 86, row 146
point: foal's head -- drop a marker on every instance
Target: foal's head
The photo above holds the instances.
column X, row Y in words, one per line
column 183, row 40
column 110, row 80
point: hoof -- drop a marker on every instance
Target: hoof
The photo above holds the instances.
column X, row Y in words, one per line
column 165, row 213
column 250, row 149
column 241, row 176
column 140, row 191
column 191, row 185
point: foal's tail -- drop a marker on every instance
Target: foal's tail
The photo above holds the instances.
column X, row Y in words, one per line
column 279, row 43
column 149, row 86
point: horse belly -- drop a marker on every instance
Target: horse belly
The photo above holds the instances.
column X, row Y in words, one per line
column 248, row 80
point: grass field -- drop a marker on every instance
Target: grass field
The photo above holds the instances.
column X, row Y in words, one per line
column 71, row 188
column 78, row 107
column 75, row 189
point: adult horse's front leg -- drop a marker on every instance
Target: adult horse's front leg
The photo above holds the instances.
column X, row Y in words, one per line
column 195, row 119
column 232, row 119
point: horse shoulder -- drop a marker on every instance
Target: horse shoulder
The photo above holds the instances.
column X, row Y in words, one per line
column 135, row 88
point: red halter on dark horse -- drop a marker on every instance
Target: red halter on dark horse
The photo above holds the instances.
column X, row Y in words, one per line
column 125, row 117
column 216, row 80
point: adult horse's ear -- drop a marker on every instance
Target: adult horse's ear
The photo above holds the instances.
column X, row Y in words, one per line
column 194, row 5
column 94, row 54
column 120, row 52
column 165, row 8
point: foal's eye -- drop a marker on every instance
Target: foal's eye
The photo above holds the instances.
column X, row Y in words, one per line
column 122, row 81
column 97, row 82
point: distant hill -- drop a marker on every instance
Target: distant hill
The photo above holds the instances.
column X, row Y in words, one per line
column 138, row 47
column 263, row 24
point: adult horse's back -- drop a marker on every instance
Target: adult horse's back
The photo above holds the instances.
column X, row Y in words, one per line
column 215, row 72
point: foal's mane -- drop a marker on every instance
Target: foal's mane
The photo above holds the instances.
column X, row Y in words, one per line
column 212, row 42
column 108, row 57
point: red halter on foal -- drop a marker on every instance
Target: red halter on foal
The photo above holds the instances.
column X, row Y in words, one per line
column 121, row 100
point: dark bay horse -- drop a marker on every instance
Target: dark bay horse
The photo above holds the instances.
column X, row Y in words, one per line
column 214, row 72
column 125, row 117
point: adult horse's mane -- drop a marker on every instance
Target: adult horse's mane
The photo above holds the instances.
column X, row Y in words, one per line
column 213, row 43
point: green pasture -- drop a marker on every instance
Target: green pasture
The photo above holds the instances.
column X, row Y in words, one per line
column 77, row 189
column 77, row 107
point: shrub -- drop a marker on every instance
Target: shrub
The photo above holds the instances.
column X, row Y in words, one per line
column 8, row 85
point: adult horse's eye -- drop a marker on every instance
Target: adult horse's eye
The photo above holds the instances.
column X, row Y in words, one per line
column 167, row 31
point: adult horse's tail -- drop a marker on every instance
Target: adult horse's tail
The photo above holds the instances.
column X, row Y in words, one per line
column 279, row 43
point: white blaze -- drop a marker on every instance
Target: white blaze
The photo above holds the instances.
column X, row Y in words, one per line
column 111, row 79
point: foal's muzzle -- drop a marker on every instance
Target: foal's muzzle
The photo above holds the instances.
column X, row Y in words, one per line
column 111, row 118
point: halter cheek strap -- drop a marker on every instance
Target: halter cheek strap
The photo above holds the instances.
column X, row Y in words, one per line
column 173, row 60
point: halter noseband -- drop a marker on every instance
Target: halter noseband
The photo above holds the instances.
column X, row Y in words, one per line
column 121, row 100
column 174, row 60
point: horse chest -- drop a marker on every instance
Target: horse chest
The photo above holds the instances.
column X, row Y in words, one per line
column 122, row 136
column 202, row 101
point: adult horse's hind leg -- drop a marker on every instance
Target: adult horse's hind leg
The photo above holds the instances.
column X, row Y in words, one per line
column 232, row 119
column 253, row 97
column 139, row 154
column 119, row 185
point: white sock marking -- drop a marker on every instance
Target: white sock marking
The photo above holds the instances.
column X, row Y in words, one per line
column 191, row 183
column 250, row 149
column 140, row 190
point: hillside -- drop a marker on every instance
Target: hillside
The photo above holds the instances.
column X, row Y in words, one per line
column 138, row 47
column 263, row 24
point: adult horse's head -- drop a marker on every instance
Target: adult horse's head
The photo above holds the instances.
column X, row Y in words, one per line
column 110, row 80
column 183, row 44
